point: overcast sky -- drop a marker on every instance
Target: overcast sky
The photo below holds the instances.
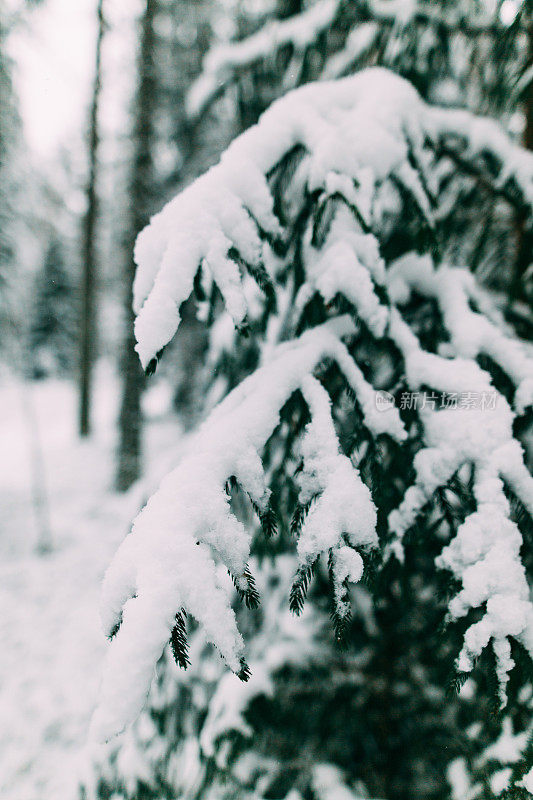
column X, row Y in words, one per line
column 53, row 54
column 53, row 57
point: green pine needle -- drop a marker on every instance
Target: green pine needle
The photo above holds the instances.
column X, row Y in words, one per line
column 267, row 518
column 178, row 640
column 250, row 595
column 115, row 629
column 298, row 517
column 244, row 673
column 299, row 588
column 152, row 364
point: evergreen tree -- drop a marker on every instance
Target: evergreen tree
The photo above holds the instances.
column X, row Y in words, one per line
column 367, row 439
column 19, row 231
column 51, row 335
column 9, row 129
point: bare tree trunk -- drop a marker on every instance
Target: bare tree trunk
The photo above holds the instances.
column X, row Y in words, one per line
column 524, row 255
column 88, row 283
column 141, row 195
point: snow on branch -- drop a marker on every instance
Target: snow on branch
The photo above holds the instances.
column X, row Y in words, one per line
column 220, row 223
column 471, row 333
column 485, row 554
column 168, row 563
column 452, row 18
column 481, row 147
column 223, row 61
column 359, row 43
column 345, row 145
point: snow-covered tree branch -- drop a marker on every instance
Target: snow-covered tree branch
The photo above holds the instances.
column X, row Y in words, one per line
column 365, row 29
column 223, row 62
column 305, row 235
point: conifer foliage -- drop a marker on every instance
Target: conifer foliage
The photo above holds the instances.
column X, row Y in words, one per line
column 51, row 335
column 443, row 47
column 377, row 391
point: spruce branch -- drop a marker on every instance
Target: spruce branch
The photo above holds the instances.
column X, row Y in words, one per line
column 178, row 640
column 300, row 587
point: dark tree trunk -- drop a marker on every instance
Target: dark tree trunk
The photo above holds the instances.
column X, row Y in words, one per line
column 524, row 254
column 88, row 282
column 141, row 196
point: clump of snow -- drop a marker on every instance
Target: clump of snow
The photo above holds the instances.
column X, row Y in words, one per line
column 329, row 783
column 499, row 781
column 508, row 747
column 472, row 138
column 527, row 781
column 344, row 507
column 220, row 213
column 348, row 263
column 459, row 780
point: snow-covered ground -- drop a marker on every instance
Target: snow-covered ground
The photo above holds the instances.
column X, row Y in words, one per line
column 51, row 644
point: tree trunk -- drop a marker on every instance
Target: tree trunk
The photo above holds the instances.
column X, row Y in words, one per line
column 141, row 196
column 88, row 283
column 524, row 254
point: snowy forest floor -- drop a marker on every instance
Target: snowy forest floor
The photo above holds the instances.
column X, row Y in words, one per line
column 51, row 642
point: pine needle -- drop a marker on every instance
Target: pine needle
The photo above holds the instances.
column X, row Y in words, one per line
column 299, row 588
column 178, row 641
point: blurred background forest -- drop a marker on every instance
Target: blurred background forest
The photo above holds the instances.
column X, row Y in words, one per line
column 107, row 109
